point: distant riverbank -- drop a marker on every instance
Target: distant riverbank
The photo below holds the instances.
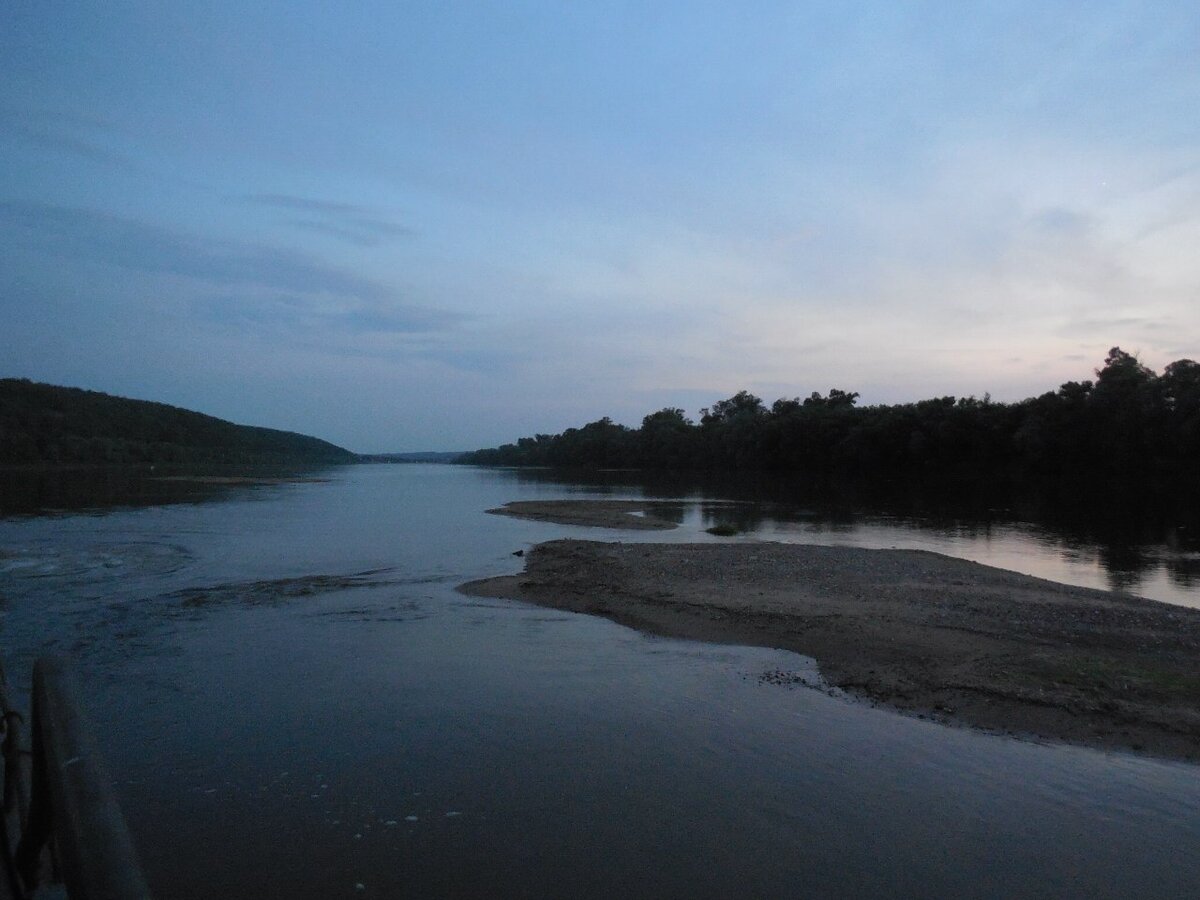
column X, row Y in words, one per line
column 918, row 631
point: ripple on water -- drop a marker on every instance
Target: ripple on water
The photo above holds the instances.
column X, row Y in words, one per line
column 93, row 561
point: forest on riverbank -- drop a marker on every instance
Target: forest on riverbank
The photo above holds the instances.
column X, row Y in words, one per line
column 47, row 424
column 1129, row 424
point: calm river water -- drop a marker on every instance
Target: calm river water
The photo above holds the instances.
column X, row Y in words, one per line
column 295, row 703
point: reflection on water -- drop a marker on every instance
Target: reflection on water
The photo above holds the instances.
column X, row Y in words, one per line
column 297, row 704
column 77, row 564
column 39, row 490
column 1144, row 548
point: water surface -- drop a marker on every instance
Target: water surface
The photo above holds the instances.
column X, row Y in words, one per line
column 296, row 703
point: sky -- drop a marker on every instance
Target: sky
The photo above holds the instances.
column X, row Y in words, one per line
column 446, row 225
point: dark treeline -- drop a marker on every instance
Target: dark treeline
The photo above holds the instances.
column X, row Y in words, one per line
column 42, row 423
column 1129, row 423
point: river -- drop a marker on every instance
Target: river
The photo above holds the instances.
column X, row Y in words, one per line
column 295, row 702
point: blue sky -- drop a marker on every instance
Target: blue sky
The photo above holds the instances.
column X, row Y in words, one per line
column 447, row 225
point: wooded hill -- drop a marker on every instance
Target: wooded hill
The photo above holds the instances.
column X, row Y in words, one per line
column 43, row 423
column 1129, row 424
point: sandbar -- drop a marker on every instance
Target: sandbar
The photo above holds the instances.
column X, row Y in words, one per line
column 637, row 515
column 920, row 632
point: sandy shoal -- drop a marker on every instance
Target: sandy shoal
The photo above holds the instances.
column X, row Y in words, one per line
column 637, row 515
column 916, row 630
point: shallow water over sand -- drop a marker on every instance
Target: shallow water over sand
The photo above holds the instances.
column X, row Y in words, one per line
column 297, row 704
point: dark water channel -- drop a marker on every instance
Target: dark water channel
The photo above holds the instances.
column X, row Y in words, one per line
column 296, row 703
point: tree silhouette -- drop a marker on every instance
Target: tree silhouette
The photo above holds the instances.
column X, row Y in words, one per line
column 1129, row 426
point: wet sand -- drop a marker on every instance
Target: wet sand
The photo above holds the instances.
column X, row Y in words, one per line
column 918, row 631
column 630, row 514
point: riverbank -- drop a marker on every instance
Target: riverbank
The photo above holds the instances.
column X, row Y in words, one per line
column 918, row 631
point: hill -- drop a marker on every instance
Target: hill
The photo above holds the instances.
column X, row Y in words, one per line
column 43, row 423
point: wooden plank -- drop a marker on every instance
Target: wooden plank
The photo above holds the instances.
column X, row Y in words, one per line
column 95, row 852
column 16, row 792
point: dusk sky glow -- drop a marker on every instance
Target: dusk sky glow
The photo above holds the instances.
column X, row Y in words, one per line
column 406, row 226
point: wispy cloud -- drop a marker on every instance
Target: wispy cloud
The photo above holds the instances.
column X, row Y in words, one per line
column 58, row 118
column 319, row 320
column 58, row 142
column 260, row 275
column 74, row 135
column 361, row 232
column 304, row 204
column 353, row 223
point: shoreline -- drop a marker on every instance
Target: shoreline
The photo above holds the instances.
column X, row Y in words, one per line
column 923, row 633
